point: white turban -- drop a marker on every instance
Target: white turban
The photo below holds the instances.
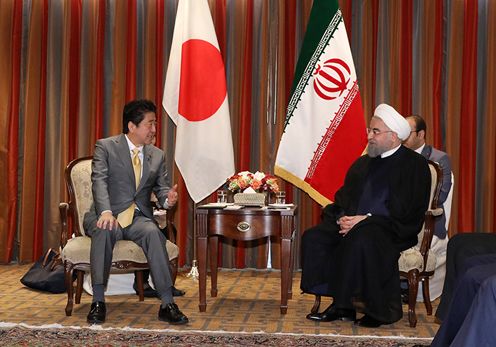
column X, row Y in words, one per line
column 394, row 121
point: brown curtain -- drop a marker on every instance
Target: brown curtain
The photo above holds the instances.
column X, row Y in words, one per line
column 68, row 67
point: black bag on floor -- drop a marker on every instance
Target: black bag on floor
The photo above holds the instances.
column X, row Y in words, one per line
column 47, row 274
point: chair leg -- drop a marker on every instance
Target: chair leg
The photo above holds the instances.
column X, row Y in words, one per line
column 139, row 278
column 69, row 288
column 173, row 270
column 79, row 285
column 412, row 296
column 427, row 296
column 316, row 304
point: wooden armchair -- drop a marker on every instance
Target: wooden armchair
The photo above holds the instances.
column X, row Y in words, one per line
column 127, row 255
column 417, row 264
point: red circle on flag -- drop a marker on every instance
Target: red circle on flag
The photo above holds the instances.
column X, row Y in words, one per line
column 202, row 88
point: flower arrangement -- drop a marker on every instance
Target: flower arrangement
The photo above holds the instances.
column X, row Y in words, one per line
column 248, row 182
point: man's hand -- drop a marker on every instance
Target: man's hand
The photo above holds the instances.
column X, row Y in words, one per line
column 348, row 222
column 107, row 221
column 172, row 196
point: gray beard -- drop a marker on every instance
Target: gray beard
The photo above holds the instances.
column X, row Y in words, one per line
column 374, row 151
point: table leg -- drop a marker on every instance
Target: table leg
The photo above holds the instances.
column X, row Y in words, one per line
column 202, row 271
column 213, row 243
column 291, row 264
column 285, row 273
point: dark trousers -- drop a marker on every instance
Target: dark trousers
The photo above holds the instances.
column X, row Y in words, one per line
column 147, row 235
column 461, row 247
column 475, row 272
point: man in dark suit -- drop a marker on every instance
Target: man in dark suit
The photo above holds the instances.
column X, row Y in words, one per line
column 416, row 142
column 126, row 169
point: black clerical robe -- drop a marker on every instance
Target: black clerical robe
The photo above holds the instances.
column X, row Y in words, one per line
column 360, row 270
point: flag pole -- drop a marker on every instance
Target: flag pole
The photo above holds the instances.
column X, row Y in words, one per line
column 193, row 273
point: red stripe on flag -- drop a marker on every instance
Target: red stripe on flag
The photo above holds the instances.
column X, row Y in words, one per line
column 343, row 149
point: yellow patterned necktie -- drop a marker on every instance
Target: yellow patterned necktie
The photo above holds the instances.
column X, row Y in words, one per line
column 125, row 218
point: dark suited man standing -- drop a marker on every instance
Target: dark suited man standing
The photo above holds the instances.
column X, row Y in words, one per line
column 126, row 169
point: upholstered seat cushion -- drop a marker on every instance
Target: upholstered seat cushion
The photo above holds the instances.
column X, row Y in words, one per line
column 77, row 250
column 412, row 259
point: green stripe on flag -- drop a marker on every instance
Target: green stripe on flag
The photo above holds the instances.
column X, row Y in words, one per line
column 323, row 22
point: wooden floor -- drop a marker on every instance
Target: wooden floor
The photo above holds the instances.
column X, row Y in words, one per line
column 248, row 301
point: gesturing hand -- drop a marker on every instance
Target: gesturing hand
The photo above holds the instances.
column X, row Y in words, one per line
column 172, row 196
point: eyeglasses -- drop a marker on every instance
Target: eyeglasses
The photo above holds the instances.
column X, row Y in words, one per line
column 376, row 131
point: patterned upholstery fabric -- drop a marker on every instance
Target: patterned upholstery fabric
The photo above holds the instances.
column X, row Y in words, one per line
column 412, row 258
column 77, row 249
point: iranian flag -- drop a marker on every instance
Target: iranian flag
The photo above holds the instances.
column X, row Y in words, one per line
column 324, row 131
column 195, row 98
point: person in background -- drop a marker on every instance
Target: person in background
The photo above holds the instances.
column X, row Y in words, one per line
column 416, row 142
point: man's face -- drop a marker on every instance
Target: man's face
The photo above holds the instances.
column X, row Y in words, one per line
column 144, row 132
column 380, row 137
column 415, row 140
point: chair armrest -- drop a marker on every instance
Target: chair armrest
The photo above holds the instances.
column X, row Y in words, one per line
column 64, row 215
column 171, row 231
column 171, row 227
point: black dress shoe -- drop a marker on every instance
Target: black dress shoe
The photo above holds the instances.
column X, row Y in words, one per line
column 97, row 313
column 171, row 313
column 368, row 322
column 332, row 313
column 148, row 291
column 177, row 292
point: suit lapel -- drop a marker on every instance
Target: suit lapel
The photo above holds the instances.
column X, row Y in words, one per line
column 125, row 154
column 426, row 152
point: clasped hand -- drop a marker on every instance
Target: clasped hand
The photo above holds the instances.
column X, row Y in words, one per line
column 346, row 223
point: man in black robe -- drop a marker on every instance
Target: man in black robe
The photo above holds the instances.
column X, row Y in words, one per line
column 352, row 255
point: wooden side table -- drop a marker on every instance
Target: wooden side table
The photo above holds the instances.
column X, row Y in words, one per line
column 245, row 224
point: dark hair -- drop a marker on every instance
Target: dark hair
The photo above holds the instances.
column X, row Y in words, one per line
column 419, row 123
column 134, row 111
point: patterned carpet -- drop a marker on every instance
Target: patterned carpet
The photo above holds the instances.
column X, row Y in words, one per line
column 245, row 313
